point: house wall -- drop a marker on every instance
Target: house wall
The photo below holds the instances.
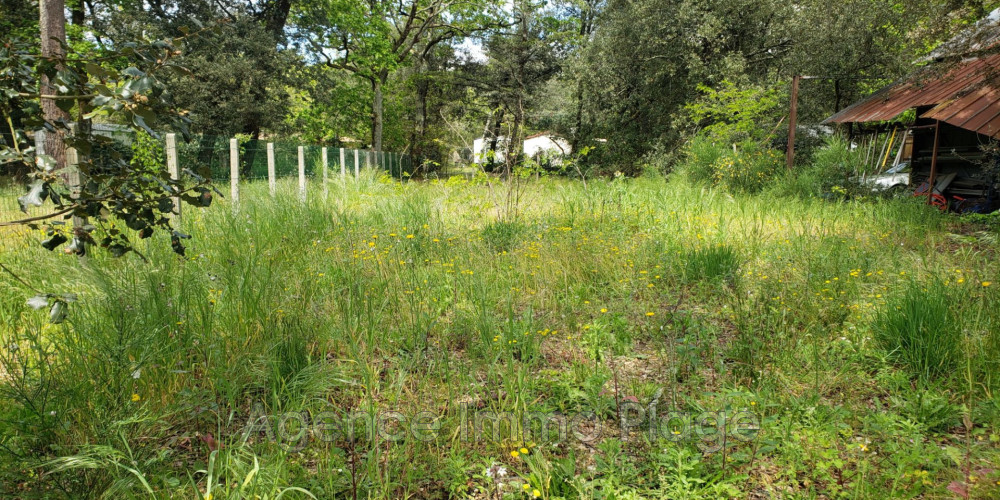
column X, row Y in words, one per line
column 556, row 145
column 481, row 146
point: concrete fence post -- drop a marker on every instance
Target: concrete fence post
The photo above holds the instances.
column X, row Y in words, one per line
column 73, row 181
column 40, row 142
column 172, row 168
column 357, row 164
column 234, row 173
column 272, row 183
column 302, row 173
column 326, row 175
column 343, row 166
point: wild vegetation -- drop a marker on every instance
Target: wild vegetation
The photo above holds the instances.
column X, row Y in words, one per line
column 860, row 336
column 669, row 311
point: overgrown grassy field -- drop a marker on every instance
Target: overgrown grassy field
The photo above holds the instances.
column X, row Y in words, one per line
column 789, row 348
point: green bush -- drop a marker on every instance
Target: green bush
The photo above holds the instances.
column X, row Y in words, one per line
column 700, row 157
column 749, row 170
column 745, row 168
column 831, row 170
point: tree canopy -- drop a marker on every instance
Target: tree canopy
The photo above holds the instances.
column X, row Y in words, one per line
column 428, row 76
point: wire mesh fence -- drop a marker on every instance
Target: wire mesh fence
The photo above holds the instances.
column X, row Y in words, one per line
column 215, row 153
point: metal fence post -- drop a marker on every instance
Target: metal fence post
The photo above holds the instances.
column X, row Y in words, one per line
column 234, row 173
column 272, row 183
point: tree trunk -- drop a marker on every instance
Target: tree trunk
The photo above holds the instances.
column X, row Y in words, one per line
column 587, row 13
column 52, row 27
column 77, row 15
column 275, row 17
column 495, row 131
column 578, row 125
column 416, row 146
column 515, row 144
column 377, row 117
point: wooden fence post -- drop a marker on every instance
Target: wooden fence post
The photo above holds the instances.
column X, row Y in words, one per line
column 326, row 175
column 171, row 148
column 272, row 183
column 343, row 167
column 234, row 173
column 357, row 164
column 302, row 173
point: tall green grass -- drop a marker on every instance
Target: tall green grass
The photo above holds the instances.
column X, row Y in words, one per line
column 384, row 296
column 920, row 330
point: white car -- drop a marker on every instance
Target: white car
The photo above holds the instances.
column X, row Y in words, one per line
column 896, row 178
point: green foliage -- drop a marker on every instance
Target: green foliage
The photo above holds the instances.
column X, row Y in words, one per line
column 236, row 80
column 138, row 195
column 744, row 167
column 608, row 335
column 749, row 170
column 736, row 114
column 701, row 155
column 148, row 152
column 928, row 407
column 834, row 168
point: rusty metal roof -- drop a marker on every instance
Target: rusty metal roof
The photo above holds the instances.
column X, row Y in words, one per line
column 966, row 95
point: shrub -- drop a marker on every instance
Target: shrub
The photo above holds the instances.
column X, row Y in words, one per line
column 920, row 331
column 735, row 113
column 745, row 168
column 832, row 170
column 700, row 156
column 749, row 170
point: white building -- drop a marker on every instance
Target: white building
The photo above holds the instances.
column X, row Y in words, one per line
column 481, row 146
column 545, row 143
column 534, row 146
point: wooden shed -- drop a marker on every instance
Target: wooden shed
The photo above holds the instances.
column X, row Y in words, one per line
column 955, row 97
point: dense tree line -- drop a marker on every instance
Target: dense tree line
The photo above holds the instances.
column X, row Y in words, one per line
column 428, row 76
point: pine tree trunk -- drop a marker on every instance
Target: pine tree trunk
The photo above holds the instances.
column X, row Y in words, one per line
column 52, row 27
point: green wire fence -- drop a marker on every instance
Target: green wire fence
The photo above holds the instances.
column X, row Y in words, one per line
column 214, row 152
